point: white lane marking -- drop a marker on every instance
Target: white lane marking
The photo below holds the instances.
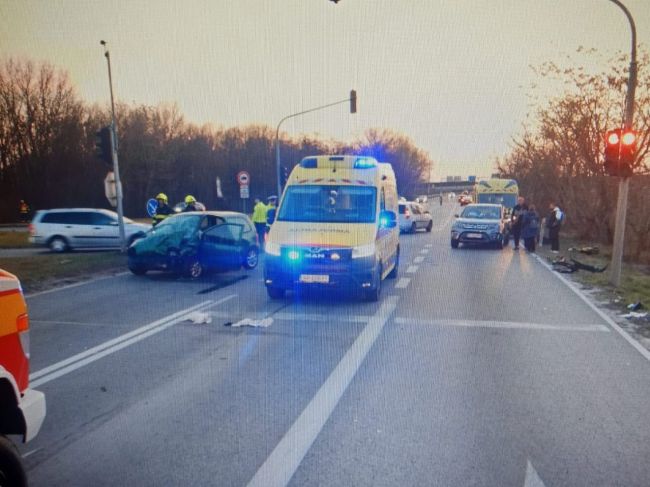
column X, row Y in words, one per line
column 639, row 348
column 412, row 269
column 285, row 459
column 294, row 316
column 84, row 358
column 501, row 324
column 403, row 282
column 31, row 452
column 52, row 322
column 532, row 478
column 418, row 259
column 424, row 251
column 428, row 245
column 76, row 284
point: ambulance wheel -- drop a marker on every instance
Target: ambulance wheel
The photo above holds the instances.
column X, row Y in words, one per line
column 393, row 274
column 374, row 293
column 275, row 292
column 11, row 468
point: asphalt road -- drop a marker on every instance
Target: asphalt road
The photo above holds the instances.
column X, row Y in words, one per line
column 477, row 367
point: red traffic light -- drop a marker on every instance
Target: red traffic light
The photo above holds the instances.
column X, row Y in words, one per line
column 613, row 137
column 628, row 138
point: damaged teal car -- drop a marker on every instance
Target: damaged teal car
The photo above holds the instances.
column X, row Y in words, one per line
column 195, row 243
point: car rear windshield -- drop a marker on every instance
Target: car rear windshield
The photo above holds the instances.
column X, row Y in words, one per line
column 329, row 204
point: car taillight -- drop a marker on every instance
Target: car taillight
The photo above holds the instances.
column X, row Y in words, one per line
column 22, row 326
column 407, row 214
column 32, row 230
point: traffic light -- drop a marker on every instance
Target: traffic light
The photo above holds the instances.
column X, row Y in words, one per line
column 620, row 151
column 104, row 146
column 353, row 101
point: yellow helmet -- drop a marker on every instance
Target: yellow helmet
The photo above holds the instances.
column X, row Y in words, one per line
column 162, row 196
column 189, row 199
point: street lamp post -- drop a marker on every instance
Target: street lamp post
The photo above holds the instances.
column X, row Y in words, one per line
column 624, row 182
column 114, row 146
column 277, row 133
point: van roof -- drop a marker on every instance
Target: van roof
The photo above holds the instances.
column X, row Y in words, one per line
column 341, row 169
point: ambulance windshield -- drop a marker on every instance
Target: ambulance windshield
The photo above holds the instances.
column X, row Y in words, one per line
column 329, row 204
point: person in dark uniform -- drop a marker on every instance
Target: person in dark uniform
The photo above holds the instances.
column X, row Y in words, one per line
column 516, row 219
column 162, row 210
column 530, row 228
column 554, row 222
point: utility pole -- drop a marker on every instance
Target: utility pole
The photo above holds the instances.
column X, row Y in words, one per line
column 624, row 182
column 114, row 146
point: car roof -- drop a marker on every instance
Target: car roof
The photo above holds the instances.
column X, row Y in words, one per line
column 76, row 209
column 484, row 205
column 222, row 214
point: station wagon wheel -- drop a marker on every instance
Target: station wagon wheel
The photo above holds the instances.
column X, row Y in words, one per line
column 252, row 258
column 58, row 244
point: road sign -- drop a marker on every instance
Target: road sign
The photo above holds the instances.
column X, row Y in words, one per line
column 244, row 192
column 152, row 207
column 109, row 189
column 243, row 178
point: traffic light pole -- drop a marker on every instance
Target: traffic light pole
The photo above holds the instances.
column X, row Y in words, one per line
column 114, row 146
column 624, row 182
column 278, row 170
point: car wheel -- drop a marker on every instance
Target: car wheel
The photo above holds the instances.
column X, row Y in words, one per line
column 58, row 244
column 414, row 227
column 252, row 258
column 194, row 268
column 275, row 292
column 374, row 293
column 393, row 274
column 11, row 467
column 454, row 244
column 430, row 226
column 138, row 270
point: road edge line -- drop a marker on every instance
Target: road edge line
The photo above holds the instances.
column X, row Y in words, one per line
column 75, row 284
column 628, row 338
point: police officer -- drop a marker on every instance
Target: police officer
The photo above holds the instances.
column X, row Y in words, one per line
column 259, row 219
column 162, row 210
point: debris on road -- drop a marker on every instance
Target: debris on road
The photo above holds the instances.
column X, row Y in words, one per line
column 199, row 318
column 635, row 306
column 634, row 314
column 585, row 250
column 263, row 323
column 568, row 267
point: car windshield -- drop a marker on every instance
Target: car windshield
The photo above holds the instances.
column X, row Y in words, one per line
column 177, row 223
column 507, row 200
column 328, row 204
column 482, row 213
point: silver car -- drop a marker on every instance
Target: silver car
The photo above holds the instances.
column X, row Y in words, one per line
column 71, row 228
column 414, row 216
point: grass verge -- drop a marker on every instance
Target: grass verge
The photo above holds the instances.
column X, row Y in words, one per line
column 40, row 272
column 13, row 240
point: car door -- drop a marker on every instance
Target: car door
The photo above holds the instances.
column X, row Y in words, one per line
column 417, row 215
column 221, row 246
column 78, row 226
column 105, row 230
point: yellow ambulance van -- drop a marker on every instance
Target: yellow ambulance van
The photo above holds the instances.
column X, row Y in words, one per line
column 335, row 227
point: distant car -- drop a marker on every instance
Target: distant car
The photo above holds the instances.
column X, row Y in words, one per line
column 481, row 224
column 65, row 229
column 465, row 199
column 413, row 216
column 194, row 243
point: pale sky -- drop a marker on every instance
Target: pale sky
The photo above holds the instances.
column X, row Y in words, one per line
column 451, row 74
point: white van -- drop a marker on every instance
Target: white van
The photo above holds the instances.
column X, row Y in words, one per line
column 335, row 226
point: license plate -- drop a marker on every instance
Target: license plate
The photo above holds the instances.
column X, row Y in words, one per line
column 474, row 235
column 311, row 278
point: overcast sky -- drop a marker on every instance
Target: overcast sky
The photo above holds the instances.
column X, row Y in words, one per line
column 451, row 74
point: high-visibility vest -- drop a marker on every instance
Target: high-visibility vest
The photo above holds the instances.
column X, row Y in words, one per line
column 259, row 213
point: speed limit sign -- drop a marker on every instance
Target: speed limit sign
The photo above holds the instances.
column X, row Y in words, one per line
column 243, row 178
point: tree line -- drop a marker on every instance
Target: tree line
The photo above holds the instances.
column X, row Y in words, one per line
column 559, row 154
column 47, row 150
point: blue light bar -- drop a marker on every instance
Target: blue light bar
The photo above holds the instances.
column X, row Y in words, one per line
column 365, row 163
column 309, row 163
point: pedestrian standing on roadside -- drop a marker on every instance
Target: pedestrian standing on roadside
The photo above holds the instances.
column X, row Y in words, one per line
column 530, row 228
column 259, row 220
column 554, row 222
column 517, row 212
column 23, row 209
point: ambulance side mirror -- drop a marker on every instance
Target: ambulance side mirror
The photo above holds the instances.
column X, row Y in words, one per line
column 270, row 216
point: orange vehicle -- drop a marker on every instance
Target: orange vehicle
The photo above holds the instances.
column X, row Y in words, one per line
column 22, row 410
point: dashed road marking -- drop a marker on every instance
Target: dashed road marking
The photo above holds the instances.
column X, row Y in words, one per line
column 403, row 282
column 425, row 251
column 502, row 324
column 412, row 269
column 418, row 259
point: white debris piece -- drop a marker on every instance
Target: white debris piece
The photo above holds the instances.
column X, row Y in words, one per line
column 633, row 314
column 198, row 318
column 264, row 323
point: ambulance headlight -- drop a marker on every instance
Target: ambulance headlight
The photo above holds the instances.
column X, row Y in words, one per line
column 271, row 248
column 363, row 251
